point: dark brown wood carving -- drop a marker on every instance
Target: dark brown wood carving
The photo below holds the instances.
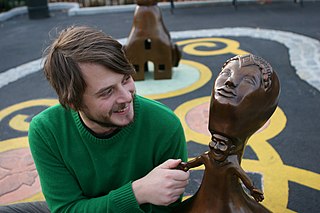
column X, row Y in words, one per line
column 149, row 40
column 244, row 97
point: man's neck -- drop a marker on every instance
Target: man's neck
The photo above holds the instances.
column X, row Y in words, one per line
column 103, row 133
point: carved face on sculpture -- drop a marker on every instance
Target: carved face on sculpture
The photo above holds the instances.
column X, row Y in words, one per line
column 220, row 147
column 244, row 97
column 234, row 83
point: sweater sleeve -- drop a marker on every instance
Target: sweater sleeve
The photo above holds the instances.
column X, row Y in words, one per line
column 60, row 187
column 177, row 149
column 176, row 146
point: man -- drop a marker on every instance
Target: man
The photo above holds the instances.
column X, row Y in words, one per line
column 104, row 148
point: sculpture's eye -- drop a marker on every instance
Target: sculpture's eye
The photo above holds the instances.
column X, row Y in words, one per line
column 225, row 72
column 213, row 143
column 250, row 80
column 223, row 146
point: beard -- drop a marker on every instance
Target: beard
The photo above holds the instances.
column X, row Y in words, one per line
column 105, row 120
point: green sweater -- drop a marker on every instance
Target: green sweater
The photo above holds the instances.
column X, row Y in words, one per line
column 82, row 173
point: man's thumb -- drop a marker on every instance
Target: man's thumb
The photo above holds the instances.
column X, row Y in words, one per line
column 170, row 164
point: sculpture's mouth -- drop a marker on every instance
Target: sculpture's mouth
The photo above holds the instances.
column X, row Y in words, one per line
column 226, row 92
column 218, row 155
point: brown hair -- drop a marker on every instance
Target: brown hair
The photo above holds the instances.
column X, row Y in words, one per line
column 76, row 45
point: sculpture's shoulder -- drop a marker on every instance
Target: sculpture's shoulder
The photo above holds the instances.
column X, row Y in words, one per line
column 233, row 159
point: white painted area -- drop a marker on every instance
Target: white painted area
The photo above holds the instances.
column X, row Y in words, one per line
column 182, row 76
column 18, row 72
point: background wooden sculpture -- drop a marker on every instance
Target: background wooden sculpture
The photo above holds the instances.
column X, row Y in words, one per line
column 244, row 97
column 149, row 40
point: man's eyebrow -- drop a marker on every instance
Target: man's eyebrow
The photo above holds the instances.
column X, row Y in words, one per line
column 102, row 90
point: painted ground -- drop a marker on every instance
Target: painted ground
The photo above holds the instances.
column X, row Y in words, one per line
column 282, row 158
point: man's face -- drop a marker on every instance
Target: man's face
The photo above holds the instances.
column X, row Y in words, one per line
column 234, row 83
column 108, row 98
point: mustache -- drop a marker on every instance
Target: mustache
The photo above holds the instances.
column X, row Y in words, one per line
column 121, row 106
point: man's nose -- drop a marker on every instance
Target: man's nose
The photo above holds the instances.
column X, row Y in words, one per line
column 124, row 95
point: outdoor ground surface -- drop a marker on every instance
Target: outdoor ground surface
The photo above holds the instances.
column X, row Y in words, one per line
column 282, row 159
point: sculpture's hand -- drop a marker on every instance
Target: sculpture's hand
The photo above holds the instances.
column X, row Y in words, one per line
column 162, row 186
column 183, row 166
column 257, row 194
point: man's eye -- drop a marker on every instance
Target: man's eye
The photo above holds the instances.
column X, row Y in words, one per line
column 126, row 79
column 107, row 92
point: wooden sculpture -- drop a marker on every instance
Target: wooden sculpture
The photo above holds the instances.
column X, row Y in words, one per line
column 244, row 97
column 149, row 40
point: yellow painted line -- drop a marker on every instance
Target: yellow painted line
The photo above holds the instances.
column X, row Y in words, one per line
column 18, row 122
column 19, row 106
column 37, row 197
column 231, row 46
column 14, row 143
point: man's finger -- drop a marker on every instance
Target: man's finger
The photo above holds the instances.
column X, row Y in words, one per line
column 170, row 164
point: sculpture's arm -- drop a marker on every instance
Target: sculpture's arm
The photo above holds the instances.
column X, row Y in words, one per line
column 185, row 166
column 255, row 192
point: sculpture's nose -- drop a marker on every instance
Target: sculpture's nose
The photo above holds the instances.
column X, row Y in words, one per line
column 216, row 145
column 230, row 82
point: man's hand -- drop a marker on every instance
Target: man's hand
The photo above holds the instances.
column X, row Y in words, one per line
column 162, row 186
column 183, row 166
